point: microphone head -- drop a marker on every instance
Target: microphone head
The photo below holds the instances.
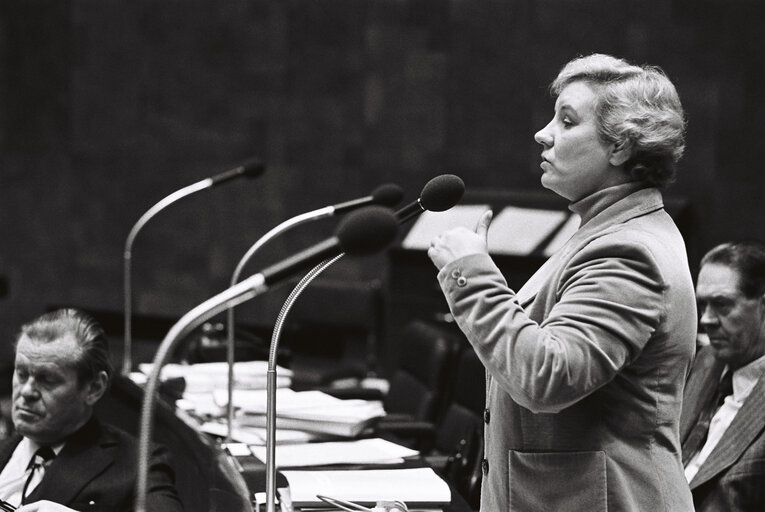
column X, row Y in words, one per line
column 253, row 167
column 442, row 192
column 366, row 231
column 389, row 194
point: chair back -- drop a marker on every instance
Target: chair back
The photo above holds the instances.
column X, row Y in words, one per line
column 418, row 387
column 460, row 432
column 206, row 479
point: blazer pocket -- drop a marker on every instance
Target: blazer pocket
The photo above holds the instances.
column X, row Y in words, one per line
column 560, row 481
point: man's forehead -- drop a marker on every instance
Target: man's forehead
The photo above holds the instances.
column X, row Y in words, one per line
column 63, row 350
column 718, row 280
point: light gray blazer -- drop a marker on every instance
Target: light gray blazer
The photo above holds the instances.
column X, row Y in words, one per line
column 586, row 363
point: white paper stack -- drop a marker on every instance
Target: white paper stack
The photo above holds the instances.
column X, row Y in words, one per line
column 205, row 377
column 309, row 411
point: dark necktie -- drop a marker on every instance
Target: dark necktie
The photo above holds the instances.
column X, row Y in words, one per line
column 39, row 462
column 698, row 435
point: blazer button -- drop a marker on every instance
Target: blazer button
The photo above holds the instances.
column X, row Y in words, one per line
column 456, row 273
column 485, row 466
column 486, row 416
column 461, row 281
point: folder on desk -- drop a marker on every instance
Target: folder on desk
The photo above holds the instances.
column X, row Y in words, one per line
column 417, row 487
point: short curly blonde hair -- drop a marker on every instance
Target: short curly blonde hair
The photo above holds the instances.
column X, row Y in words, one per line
column 638, row 108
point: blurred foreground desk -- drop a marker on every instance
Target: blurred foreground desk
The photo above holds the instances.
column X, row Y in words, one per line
column 208, row 478
column 254, row 472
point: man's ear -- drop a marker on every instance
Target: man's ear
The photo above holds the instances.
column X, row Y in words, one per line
column 97, row 387
column 620, row 153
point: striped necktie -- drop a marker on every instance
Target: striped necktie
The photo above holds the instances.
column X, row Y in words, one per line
column 41, row 459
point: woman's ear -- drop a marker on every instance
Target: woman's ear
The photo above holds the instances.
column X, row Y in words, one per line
column 620, row 153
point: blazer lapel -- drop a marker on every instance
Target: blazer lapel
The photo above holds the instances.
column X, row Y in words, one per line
column 82, row 459
column 745, row 426
column 529, row 290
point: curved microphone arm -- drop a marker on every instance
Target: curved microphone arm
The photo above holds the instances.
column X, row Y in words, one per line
column 242, row 292
column 230, row 324
column 127, row 357
column 271, row 380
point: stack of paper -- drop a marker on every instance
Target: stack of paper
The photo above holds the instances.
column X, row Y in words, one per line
column 362, row 451
column 309, row 411
column 416, row 487
column 256, row 436
column 205, row 377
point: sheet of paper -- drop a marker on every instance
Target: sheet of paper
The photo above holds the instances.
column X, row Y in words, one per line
column 415, row 485
column 254, row 401
column 216, row 368
column 363, row 451
column 208, row 376
column 256, row 436
column 518, row 231
column 430, row 224
column 562, row 236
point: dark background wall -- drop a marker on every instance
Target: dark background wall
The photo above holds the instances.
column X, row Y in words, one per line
column 107, row 106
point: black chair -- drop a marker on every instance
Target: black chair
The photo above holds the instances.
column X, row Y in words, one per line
column 206, row 479
column 458, row 444
column 418, row 388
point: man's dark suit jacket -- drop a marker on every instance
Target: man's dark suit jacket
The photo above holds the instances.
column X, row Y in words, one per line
column 96, row 471
column 733, row 477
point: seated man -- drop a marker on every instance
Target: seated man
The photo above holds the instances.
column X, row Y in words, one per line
column 60, row 457
column 722, row 427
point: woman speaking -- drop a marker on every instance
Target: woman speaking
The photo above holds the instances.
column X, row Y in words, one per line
column 586, row 362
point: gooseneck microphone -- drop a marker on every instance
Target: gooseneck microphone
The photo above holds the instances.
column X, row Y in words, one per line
column 385, row 195
column 249, row 169
column 362, row 232
column 438, row 195
column 388, row 194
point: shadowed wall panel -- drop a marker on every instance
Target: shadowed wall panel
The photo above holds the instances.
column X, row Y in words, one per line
column 107, row 106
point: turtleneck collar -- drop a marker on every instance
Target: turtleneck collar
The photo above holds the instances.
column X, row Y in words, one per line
column 588, row 207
